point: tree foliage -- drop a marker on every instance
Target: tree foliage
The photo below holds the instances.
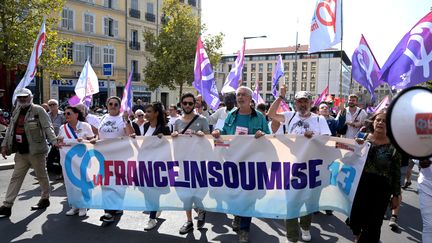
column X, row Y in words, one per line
column 173, row 50
column 20, row 23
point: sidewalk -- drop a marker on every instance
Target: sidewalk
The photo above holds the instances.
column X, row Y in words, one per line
column 7, row 164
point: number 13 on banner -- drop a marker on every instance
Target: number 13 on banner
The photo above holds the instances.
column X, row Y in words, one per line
column 349, row 175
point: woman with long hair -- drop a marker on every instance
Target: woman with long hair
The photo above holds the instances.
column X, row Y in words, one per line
column 75, row 129
column 156, row 125
column 379, row 183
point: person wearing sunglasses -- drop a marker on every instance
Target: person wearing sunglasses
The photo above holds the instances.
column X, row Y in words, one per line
column 113, row 125
column 75, row 129
column 138, row 123
column 191, row 123
column 156, row 125
column 57, row 119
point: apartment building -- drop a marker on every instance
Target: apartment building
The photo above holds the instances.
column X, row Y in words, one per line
column 303, row 71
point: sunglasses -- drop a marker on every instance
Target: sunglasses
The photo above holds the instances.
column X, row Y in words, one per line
column 185, row 103
column 52, row 104
column 140, row 115
column 68, row 113
column 113, row 104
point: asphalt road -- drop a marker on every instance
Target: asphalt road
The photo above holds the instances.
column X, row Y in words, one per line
column 52, row 225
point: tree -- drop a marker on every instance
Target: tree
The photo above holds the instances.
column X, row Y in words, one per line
column 20, row 23
column 173, row 49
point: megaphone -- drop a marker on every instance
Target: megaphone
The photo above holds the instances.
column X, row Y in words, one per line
column 409, row 122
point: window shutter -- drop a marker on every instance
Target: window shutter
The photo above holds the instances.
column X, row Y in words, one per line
column 64, row 18
column 91, row 25
column 97, row 55
column 70, row 20
column 115, row 28
column 106, row 26
column 106, row 3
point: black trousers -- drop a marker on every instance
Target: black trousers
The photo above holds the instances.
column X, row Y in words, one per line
column 369, row 206
column 53, row 161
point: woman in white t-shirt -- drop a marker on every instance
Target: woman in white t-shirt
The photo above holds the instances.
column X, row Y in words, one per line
column 114, row 125
column 75, row 129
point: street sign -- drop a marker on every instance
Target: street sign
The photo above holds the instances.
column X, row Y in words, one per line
column 108, row 69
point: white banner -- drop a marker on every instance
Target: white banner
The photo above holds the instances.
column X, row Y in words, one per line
column 281, row 176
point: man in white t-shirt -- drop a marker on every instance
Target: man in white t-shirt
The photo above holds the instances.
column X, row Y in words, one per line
column 355, row 117
column 300, row 122
column 217, row 119
column 173, row 116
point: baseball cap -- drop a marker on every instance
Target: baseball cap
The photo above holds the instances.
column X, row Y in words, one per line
column 23, row 92
column 303, row 95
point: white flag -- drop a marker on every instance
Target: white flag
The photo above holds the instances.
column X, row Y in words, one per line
column 33, row 62
column 88, row 83
column 326, row 26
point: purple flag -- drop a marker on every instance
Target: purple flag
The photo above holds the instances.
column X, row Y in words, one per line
column 322, row 97
column 256, row 95
column 75, row 100
column 204, row 77
column 126, row 102
column 365, row 69
column 411, row 61
column 278, row 72
column 232, row 81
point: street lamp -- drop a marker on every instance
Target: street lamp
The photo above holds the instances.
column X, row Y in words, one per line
column 254, row 37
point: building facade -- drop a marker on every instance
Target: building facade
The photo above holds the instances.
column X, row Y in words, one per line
column 303, row 71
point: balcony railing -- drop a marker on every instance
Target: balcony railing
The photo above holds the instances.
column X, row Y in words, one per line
column 150, row 17
column 136, row 77
column 134, row 45
column 134, row 13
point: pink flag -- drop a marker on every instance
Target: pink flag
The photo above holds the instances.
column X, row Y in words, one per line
column 256, row 95
column 126, row 102
column 383, row 104
column 283, row 107
column 321, row 97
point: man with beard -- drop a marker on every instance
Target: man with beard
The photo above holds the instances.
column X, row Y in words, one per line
column 191, row 123
column 30, row 128
column 355, row 117
column 300, row 122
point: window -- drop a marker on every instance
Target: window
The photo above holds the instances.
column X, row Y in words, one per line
column 110, row 4
column 244, row 77
column 260, row 77
column 286, row 66
column 303, row 86
column 312, row 87
column 150, row 8
column 294, row 76
column 313, row 77
column 253, row 67
column 79, row 53
column 269, row 97
column 134, row 4
column 269, row 77
column 110, row 27
column 260, row 67
column 294, row 66
column 89, row 23
column 192, row 2
column 269, row 86
column 313, row 66
column 67, row 19
column 89, row 53
column 108, row 54
column 304, row 66
column 134, row 36
column 136, row 74
column 245, row 68
column 286, row 76
column 304, row 76
column 253, row 77
column 69, row 51
column 269, row 67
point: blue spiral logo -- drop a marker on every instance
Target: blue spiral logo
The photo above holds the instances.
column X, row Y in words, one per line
column 80, row 150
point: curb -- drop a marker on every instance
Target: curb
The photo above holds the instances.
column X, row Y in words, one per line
column 7, row 166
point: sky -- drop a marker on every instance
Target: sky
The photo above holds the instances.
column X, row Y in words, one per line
column 382, row 22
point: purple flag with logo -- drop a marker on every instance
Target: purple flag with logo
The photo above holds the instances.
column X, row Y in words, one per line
column 232, row 81
column 278, row 72
column 365, row 69
column 126, row 102
column 411, row 61
column 204, row 77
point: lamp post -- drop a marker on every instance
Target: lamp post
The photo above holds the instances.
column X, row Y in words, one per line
column 253, row 37
column 297, row 46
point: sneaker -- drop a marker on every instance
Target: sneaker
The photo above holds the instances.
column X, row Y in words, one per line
column 118, row 212
column 236, row 223
column 158, row 214
column 407, row 184
column 329, row 212
column 107, row 218
column 150, row 224
column 42, row 204
column 201, row 218
column 393, row 223
column 72, row 211
column 188, row 226
column 5, row 212
column 82, row 212
column 306, row 235
column 243, row 236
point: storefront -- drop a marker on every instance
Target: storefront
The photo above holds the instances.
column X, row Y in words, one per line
column 62, row 90
column 141, row 92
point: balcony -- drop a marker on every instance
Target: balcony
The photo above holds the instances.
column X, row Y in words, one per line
column 150, row 17
column 134, row 13
column 136, row 77
column 134, row 45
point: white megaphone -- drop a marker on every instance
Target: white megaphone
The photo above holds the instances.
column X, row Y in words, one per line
column 409, row 122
